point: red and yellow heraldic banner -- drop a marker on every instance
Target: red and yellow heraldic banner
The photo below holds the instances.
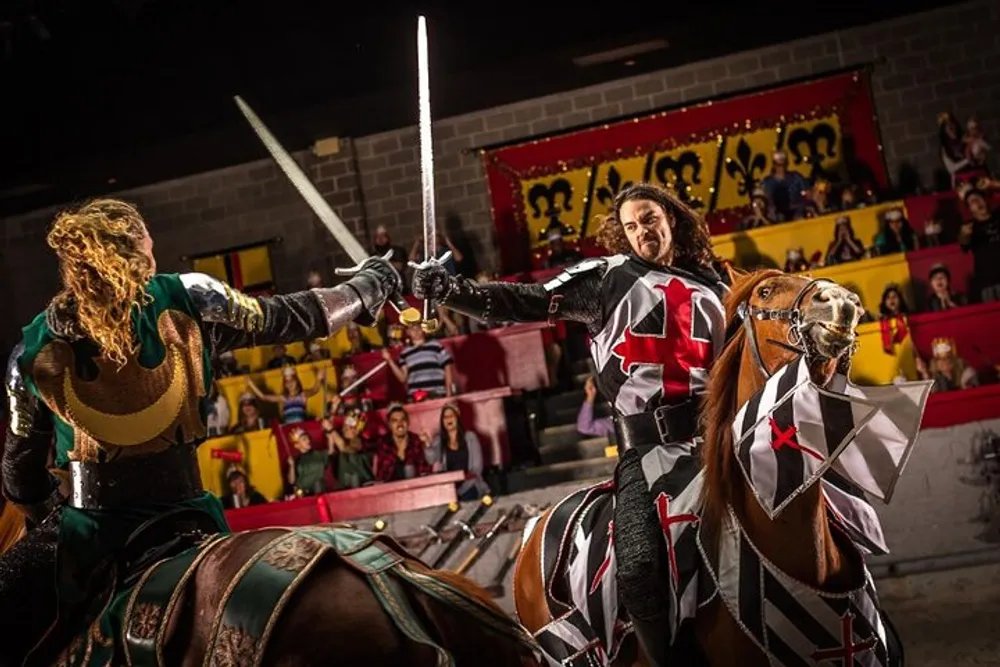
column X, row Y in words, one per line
column 246, row 268
column 711, row 153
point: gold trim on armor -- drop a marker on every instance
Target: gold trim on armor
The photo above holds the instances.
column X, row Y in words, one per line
column 245, row 312
column 234, row 647
column 133, row 410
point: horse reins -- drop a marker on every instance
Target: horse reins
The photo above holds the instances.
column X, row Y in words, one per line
column 747, row 312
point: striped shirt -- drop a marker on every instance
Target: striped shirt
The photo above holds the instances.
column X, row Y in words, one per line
column 425, row 364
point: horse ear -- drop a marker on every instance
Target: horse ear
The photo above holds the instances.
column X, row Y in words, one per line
column 735, row 275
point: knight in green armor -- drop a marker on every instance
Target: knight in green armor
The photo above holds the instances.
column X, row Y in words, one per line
column 114, row 372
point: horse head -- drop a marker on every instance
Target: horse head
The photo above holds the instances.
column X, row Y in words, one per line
column 773, row 318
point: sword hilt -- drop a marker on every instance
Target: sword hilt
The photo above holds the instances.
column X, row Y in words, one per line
column 430, row 323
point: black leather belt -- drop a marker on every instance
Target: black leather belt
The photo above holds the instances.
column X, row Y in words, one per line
column 667, row 424
column 166, row 477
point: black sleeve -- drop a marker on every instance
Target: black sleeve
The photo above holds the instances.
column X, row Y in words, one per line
column 573, row 295
column 28, row 441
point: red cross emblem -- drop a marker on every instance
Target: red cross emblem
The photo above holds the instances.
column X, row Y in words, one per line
column 666, row 523
column 674, row 350
column 846, row 652
column 786, row 437
column 606, row 563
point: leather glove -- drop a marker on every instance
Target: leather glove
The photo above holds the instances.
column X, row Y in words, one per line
column 431, row 281
column 375, row 282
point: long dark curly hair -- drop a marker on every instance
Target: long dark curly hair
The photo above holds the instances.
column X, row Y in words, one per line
column 691, row 240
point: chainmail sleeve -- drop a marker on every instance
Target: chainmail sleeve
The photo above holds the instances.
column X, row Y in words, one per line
column 26, row 479
column 573, row 295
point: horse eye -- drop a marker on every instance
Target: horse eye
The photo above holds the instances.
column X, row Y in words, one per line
column 764, row 292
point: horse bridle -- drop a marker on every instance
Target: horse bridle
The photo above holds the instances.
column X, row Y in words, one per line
column 796, row 342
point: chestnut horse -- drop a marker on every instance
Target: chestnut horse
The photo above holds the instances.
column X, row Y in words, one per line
column 322, row 595
column 799, row 541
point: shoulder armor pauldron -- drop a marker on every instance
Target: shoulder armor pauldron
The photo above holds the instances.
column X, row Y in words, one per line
column 219, row 303
column 575, row 271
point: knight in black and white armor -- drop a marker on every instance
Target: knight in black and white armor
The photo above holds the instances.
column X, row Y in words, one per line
column 656, row 319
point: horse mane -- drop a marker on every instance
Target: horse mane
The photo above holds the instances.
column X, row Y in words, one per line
column 719, row 406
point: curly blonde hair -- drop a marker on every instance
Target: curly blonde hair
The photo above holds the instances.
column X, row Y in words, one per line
column 104, row 272
column 691, row 240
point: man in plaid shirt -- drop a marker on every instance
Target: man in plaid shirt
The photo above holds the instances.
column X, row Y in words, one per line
column 400, row 453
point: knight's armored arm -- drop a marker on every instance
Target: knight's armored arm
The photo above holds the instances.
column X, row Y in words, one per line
column 26, row 480
column 234, row 320
column 572, row 295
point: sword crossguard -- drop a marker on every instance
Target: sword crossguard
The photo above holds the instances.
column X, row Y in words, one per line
column 430, row 323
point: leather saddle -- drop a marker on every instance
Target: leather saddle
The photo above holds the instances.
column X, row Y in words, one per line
column 163, row 536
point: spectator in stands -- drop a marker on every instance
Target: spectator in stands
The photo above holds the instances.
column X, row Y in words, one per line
column 241, row 494
column 942, row 298
column 227, row 366
column 948, row 370
column 400, row 453
column 818, row 203
column 315, row 352
column 356, row 342
column 892, row 303
column 976, row 148
column 444, row 245
column 307, row 470
column 280, row 357
column 559, row 254
column 354, row 462
column 785, row 189
column 358, row 398
column 981, row 236
column 249, row 418
column 896, row 235
column 952, row 145
column 314, row 280
column 396, row 335
column 382, row 243
column 586, row 424
column 761, row 214
column 849, row 198
column 293, row 397
column 454, row 448
column 845, row 247
column 425, row 366
column 217, row 408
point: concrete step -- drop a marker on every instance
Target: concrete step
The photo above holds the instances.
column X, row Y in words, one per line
column 578, row 449
column 560, row 473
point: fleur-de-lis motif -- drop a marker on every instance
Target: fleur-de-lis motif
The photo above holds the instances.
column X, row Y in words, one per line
column 746, row 168
column 550, row 194
column 606, row 193
column 679, row 167
column 820, row 134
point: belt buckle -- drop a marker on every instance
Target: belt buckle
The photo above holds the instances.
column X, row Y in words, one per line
column 662, row 427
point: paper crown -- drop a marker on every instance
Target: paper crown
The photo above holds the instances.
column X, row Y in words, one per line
column 894, row 214
column 943, row 347
column 758, row 193
column 247, row 397
column 843, row 220
column 288, row 371
column 823, row 186
column 965, row 189
column 355, row 419
column 779, row 156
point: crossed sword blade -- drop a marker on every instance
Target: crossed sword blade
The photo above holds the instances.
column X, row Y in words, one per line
column 319, row 206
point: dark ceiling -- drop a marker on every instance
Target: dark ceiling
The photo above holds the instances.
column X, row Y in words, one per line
column 141, row 90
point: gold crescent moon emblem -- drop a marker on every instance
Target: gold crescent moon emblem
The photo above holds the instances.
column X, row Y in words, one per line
column 134, row 428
